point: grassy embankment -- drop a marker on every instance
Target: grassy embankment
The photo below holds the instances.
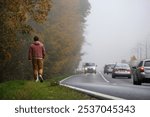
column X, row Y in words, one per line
column 30, row 90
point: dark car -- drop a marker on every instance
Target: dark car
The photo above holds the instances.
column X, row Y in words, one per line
column 108, row 68
column 121, row 70
column 141, row 72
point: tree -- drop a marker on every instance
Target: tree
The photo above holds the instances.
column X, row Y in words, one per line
column 59, row 27
column 133, row 61
column 64, row 35
column 14, row 22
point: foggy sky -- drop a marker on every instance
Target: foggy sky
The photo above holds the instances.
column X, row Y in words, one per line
column 114, row 28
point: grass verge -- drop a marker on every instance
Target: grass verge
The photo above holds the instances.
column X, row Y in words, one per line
column 30, row 90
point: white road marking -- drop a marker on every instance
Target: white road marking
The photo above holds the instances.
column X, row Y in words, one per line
column 103, row 77
column 93, row 93
column 65, row 79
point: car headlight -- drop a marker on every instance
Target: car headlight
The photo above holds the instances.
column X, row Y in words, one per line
column 94, row 68
column 85, row 68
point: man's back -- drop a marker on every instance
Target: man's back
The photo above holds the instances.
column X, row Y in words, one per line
column 36, row 50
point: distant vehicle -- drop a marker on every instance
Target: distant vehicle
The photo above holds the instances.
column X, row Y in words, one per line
column 122, row 70
column 141, row 72
column 108, row 68
column 78, row 71
column 90, row 68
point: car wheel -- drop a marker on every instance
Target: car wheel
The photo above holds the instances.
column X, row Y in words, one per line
column 113, row 76
column 136, row 82
column 139, row 83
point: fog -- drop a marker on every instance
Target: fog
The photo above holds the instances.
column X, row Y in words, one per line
column 114, row 28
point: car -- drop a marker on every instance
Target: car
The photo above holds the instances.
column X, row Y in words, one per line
column 90, row 68
column 141, row 72
column 78, row 71
column 121, row 70
column 108, row 68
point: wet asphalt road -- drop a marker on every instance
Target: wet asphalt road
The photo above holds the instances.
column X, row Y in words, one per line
column 120, row 87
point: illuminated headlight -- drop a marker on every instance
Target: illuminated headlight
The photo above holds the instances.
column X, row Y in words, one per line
column 94, row 68
column 86, row 68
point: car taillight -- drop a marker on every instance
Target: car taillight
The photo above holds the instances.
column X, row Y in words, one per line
column 129, row 70
column 141, row 69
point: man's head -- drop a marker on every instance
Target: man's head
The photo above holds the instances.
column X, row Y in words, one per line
column 36, row 38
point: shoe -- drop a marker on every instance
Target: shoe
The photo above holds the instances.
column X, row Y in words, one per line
column 40, row 78
column 37, row 79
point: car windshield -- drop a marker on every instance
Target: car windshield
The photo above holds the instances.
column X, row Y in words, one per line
column 89, row 64
column 122, row 66
column 147, row 64
column 112, row 65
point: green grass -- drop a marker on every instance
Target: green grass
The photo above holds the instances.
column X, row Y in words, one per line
column 30, row 90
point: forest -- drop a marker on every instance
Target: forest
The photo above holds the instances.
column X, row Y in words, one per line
column 60, row 25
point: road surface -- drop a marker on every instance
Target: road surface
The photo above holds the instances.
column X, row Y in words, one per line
column 121, row 87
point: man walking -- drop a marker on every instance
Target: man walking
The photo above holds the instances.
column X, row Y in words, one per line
column 37, row 54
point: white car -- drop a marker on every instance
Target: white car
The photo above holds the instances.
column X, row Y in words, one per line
column 121, row 70
column 90, row 68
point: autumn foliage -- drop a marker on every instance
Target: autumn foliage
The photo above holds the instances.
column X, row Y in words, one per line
column 60, row 26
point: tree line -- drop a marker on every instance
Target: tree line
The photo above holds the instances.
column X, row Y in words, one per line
column 59, row 24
